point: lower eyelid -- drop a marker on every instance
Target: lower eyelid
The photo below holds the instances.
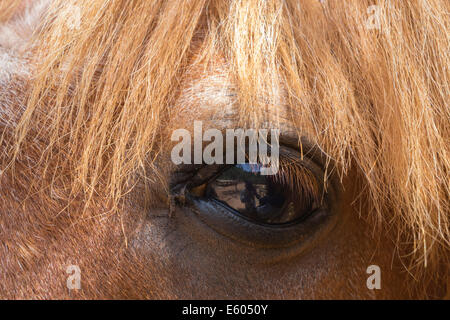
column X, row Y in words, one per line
column 232, row 226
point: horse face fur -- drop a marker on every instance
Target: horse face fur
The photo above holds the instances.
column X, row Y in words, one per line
column 145, row 246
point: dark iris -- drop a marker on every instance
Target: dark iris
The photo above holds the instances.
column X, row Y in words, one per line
column 256, row 197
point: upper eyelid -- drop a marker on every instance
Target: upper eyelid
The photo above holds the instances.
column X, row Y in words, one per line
column 188, row 175
column 191, row 177
column 309, row 154
column 306, row 148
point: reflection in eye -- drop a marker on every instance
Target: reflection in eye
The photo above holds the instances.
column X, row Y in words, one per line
column 272, row 200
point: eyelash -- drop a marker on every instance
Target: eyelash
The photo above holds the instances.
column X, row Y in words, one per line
column 299, row 180
column 292, row 173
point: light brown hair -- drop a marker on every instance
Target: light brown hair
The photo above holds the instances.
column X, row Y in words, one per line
column 375, row 100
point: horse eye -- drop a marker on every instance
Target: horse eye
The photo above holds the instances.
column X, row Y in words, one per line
column 287, row 209
column 285, row 198
column 258, row 198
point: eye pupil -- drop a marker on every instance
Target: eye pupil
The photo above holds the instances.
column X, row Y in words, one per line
column 256, row 197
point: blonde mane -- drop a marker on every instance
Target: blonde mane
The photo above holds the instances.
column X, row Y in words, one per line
column 375, row 100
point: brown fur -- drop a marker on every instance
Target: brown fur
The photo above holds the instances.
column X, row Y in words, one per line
column 84, row 139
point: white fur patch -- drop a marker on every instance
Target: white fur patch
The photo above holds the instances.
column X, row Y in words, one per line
column 16, row 34
column 15, row 49
column 15, row 42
